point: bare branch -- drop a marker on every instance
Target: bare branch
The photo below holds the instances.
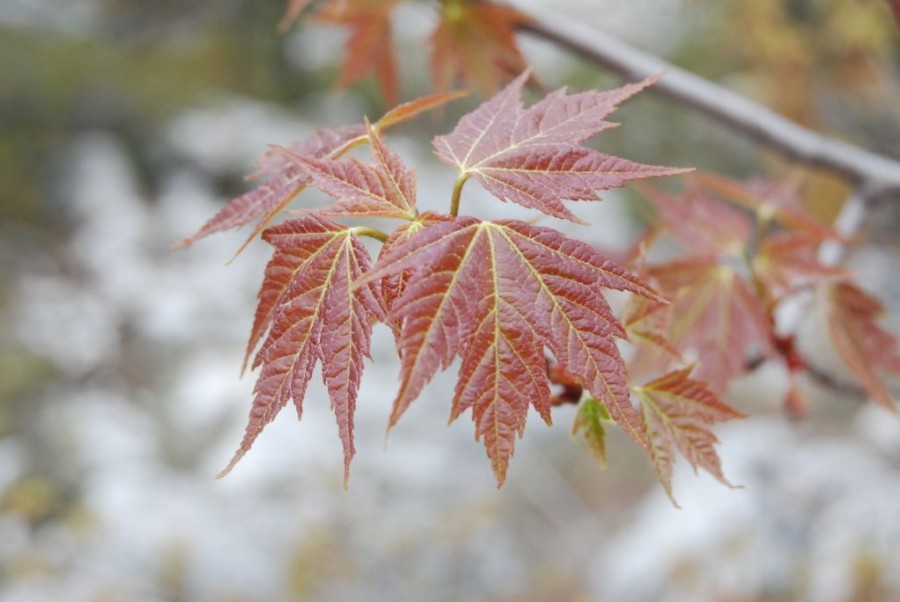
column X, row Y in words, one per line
column 876, row 174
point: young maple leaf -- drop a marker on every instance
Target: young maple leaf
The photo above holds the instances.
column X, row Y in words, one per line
column 393, row 285
column 386, row 189
column 496, row 294
column 776, row 201
column 369, row 46
column 533, row 156
column 287, row 177
column 476, row 41
column 787, row 261
column 647, row 324
column 310, row 313
column 407, row 110
column 716, row 315
column 866, row 348
column 285, row 180
column 676, row 411
column 590, row 420
column 701, row 223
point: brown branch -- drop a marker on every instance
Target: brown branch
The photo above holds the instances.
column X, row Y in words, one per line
column 874, row 175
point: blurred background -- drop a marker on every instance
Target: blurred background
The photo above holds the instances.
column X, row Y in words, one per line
column 125, row 124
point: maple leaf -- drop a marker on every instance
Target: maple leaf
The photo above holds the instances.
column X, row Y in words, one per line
column 532, row 156
column 676, row 412
column 309, row 313
column 393, row 285
column 701, row 223
column 286, row 180
column 369, row 46
column 476, row 41
column 778, row 201
column 716, row 315
column 866, row 348
column 386, row 189
column 408, row 110
column 647, row 323
column 590, row 420
column 496, row 294
column 787, row 261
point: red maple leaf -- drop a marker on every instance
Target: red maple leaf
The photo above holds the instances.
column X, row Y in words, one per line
column 285, row 180
column 496, row 294
column 369, row 45
column 647, row 324
column 533, row 156
column 778, row 201
column 867, row 349
column 393, row 285
column 716, row 316
column 787, row 261
column 676, row 412
column 309, row 312
column 408, row 110
column 385, row 189
column 702, row 223
column 477, row 42
column 287, row 177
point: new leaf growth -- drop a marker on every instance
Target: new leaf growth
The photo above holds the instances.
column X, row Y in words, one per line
column 501, row 296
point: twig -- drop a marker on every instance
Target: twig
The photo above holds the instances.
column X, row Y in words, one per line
column 876, row 174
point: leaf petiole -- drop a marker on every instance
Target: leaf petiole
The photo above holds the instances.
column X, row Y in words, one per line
column 349, row 146
column 457, row 191
column 371, row 233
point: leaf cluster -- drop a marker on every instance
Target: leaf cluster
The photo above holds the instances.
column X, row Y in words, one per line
column 472, row 41
column 521, row 307
column 748, row 251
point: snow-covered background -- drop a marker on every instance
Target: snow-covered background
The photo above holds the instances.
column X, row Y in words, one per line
column 121, row 399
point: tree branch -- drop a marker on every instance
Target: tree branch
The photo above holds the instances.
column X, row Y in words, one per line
column 875, row 174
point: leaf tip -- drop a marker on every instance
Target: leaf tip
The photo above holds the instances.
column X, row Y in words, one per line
column 672, row 499
column 500, row 473
column 653, row 79
column 237, row 458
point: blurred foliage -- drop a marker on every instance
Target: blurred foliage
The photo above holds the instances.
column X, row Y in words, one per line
column 24, row 375
column 796, row 55
column 824, row 63
column 830, row 65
